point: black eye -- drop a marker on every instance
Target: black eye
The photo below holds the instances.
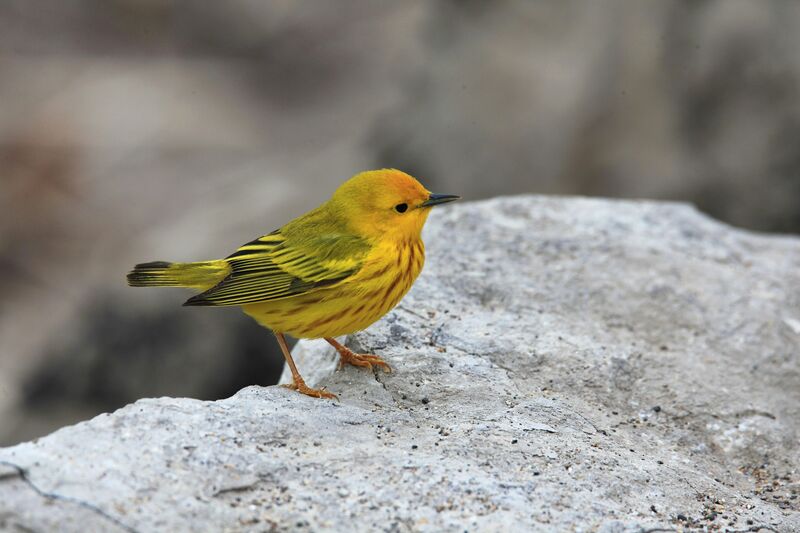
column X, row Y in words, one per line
column 401, row 208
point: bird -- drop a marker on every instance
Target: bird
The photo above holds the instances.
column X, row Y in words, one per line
column 330, row 272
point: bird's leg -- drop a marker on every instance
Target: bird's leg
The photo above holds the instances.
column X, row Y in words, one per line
column 355, row 359
column 297, row 380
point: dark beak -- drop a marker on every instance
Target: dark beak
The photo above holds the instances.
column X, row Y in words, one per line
column 436, row 199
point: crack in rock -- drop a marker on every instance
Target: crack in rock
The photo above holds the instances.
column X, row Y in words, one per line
column 20, row 473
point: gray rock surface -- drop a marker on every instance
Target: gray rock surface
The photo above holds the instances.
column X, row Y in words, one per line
column 561, row 365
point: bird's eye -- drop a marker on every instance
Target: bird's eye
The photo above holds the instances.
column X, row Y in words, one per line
column 401, row 208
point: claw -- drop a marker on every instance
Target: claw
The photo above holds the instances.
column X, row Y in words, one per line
column 348, row 357
column 302, row 388
column 362, row 360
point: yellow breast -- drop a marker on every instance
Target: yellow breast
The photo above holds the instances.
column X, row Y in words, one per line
column 386, row 276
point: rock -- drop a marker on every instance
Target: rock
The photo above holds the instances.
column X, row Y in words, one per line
column 680, row 82
column 561, row 364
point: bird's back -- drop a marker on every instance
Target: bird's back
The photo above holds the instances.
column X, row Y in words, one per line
column 312, row 252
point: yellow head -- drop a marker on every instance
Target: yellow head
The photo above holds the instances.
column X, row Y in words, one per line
column 385, row 203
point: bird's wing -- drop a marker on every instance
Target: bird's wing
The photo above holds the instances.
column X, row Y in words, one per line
column 276, row 266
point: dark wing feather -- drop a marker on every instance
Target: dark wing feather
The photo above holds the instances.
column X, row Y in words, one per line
column 275, row 267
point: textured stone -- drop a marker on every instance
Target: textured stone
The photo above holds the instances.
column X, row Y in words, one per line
column 561, row 364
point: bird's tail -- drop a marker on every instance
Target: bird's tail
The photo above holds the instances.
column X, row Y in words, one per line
column 201, row 275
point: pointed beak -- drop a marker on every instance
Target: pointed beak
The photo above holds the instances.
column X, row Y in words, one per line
column 436, row 199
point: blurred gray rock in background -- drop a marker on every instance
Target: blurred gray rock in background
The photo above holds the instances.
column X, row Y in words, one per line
column 134, row 131
column 585, row 365
column 696, row 101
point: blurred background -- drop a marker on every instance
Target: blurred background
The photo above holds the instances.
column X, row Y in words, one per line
column 137, row 130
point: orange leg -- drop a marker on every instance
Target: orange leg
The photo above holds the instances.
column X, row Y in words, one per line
column 355, row 359
column 297, row 380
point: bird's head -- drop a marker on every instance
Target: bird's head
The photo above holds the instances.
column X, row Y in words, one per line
column 386, row 203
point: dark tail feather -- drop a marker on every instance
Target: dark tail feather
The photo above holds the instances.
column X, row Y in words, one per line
column 152, row 274
column 201, row 275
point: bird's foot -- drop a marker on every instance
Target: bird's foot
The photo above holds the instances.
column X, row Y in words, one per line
column 301, row 387
column 348, row 357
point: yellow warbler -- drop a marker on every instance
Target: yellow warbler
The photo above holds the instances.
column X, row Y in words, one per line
column 331, row 272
